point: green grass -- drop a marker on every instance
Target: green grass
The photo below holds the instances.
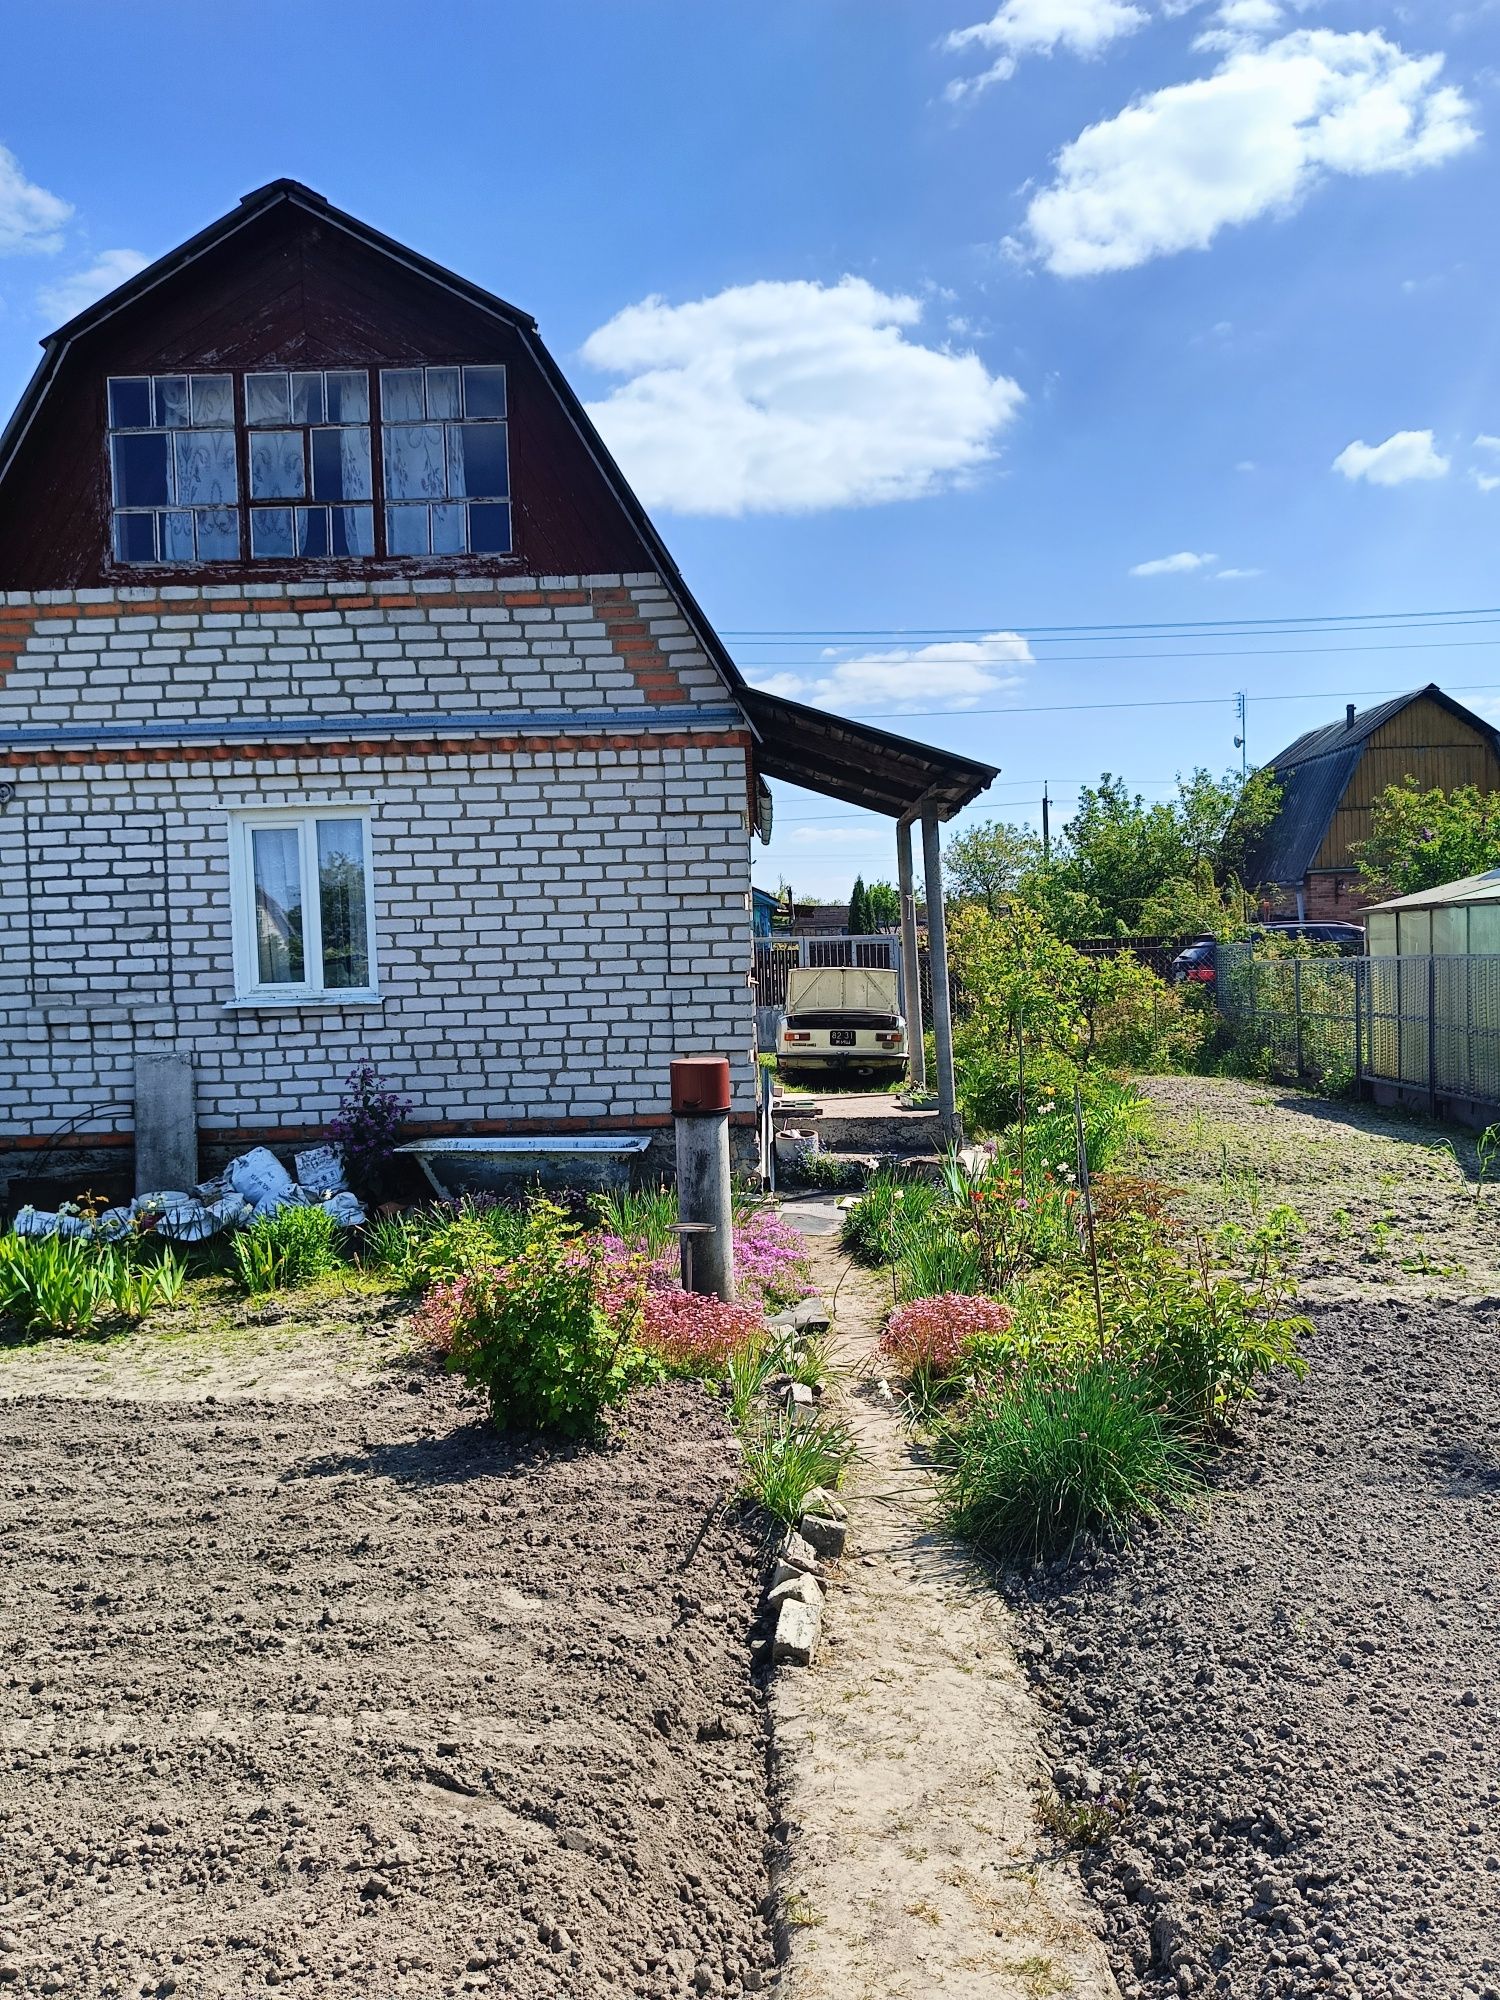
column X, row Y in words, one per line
column 291, row 1247
column 1030, row 1467
column 785, row 1459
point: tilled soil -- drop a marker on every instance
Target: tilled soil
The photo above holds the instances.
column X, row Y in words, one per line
column 1292, row 1695
column 358, row 1696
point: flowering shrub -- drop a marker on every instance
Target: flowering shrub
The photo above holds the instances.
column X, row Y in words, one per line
column 533, row 1334
column 770, row 1258
column 367, row 1128
column 696, row 1334
column 926, row 1338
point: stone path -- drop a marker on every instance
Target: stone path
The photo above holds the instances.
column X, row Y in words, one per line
column 915, row 1865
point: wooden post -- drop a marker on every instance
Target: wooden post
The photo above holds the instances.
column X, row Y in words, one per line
column 937, row 952
column 911, row 968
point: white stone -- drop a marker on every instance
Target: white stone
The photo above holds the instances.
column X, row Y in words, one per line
column 798, row 1628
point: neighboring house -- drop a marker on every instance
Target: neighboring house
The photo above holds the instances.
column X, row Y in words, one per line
column 763, row 910
column 351, row 709
column 1330, row 779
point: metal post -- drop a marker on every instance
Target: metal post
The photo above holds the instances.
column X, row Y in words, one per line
column 1433, row 1035
column 937, row 949
column 1359, row 971
column 705, row 1201
column 1297, row 1008
column 911, row 969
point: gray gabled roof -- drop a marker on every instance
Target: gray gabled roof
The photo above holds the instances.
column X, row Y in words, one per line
column 1483, row 888
column 1314, row 773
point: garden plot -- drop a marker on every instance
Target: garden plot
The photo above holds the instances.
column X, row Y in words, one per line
column 358, row 1695
column 1386, row 1202
column 1276, row 1722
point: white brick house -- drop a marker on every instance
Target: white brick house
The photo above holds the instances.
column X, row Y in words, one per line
column 351, row 710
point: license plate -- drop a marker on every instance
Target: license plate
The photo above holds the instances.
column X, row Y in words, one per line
column 841, row 1038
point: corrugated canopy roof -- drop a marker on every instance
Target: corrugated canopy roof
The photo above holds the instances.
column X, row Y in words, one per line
column 858, row 764
column 1472, row 889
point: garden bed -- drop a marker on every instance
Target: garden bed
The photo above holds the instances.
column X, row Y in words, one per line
column 1276, row 1721
column 360, row 1695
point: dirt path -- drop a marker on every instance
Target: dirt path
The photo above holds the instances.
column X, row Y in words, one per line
column 350, row 1695
column 916, row 1867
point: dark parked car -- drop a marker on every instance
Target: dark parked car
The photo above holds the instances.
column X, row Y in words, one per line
column 1198, row 965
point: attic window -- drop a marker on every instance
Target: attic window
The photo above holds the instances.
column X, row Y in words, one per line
column 309, row 441
column 174, row 483
column 444, row 456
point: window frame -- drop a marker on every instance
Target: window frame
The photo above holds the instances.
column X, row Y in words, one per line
column 381, row 559
column 249, row 988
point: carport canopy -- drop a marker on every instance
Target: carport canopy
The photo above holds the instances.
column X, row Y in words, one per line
column 859, row 765
column 909, row 782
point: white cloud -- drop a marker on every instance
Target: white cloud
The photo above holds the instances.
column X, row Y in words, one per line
column 1236, row 575
column 1486, row 481
column 1254, row 138
column 1037, row 27
column 1404, row 455
column 30, row 218
column 69, row 296
column 837, row 836
column 784, row 397
column 1182, row 564
column 956, row 673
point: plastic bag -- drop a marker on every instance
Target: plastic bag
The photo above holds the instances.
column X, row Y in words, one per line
column 261, row 1178
column 345, row 1208
column 320, row 1170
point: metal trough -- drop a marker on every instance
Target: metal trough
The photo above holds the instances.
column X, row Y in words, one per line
column 477, row 1166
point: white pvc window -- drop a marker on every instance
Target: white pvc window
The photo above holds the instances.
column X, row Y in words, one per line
column 303, row 904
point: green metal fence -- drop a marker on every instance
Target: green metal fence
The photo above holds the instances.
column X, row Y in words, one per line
column 1427, row 1027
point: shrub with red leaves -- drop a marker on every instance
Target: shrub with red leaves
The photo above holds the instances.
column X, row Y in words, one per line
column 690, row 1331
column 927, row 1336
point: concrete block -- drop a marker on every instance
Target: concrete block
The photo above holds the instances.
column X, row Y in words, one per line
column 827, row 1537
column 166, row 1123
column 796, row 1590
column 798, row 1629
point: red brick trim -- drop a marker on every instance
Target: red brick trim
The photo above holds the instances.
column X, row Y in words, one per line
column 16, row 622
column 475, row 743
column 630, row 638
column 298, row 1135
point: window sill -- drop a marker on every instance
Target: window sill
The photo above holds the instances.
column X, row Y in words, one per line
column 298, row 1003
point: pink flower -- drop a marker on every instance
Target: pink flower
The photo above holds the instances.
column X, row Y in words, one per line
column 929, row 1334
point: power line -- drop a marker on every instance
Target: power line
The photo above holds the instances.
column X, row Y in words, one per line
column 1313, row 621
column 1163, row 701
column 1133, row 659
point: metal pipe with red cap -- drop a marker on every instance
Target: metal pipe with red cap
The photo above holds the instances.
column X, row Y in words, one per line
column 705, row 1198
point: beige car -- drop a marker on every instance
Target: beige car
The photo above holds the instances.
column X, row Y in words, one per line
column 841, row 1020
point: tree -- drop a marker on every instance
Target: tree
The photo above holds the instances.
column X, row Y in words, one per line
column 988, row 863
column 883, row 905
column 859, row 909
column 1420, row 840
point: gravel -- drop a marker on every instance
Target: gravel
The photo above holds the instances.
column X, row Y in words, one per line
column 1285, row 1706
column 358, row 1697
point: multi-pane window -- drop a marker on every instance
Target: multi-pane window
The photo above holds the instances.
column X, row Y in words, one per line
column 309, row 443
column 285, row 464
column 174, row 482
column 303, row 904
column 444, row 457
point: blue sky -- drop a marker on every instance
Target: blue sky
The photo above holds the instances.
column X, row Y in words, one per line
column 921, row 327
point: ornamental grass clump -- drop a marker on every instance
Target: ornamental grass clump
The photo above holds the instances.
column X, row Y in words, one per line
column 1032, row 1464
column 292, row 1247
column 786, row 1458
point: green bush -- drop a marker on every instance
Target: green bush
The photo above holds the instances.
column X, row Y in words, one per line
column 890, row 1196
column 1029, row 1467
column 292, row 1247
column 532, row 1336
column 426, row 1245
column 1203, row 1338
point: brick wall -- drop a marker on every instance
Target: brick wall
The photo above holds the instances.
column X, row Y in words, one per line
column 560, row 906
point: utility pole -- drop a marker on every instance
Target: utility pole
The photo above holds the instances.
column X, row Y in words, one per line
column 1046, row 824
column 1240, row 740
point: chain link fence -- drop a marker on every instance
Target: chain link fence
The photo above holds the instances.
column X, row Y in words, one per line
column 1424, row 1029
